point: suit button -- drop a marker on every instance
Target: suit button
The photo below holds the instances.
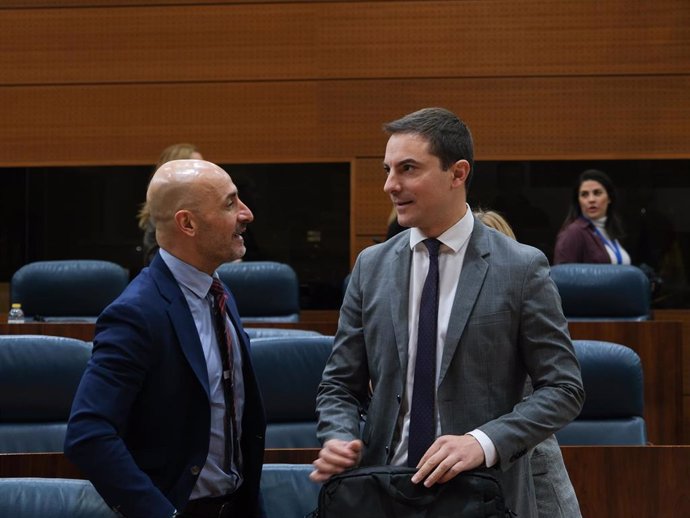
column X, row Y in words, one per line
column 387, row 450
column 195, row 470
column 517, row 455
column 398, row 398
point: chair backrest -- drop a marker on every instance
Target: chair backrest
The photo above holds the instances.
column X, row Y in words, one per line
column 287, row 491
column 614, row 397
column 289, row 370
column 38, row 378
column 602, row 291
column 68, row 288
column 273, row 332
column 263, row 290
column 51, row 497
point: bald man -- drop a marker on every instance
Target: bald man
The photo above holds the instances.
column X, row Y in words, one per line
column 152, row 421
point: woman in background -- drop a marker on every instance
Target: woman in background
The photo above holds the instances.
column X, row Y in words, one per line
column 175, row 152
column 592, row 228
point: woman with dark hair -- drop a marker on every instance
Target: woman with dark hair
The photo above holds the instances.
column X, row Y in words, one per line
column 592, row 228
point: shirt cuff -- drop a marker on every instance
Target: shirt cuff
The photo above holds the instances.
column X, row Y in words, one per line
column 490, row 455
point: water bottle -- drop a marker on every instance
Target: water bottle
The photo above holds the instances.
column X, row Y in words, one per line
column 16, row 315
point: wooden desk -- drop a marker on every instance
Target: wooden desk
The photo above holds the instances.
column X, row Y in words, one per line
column 683, row 316
column 610, row 481
column 620, row 481
column 45, row 465
column 322, row 321
column 659, row 345
column 80, row 330
column 56, row 465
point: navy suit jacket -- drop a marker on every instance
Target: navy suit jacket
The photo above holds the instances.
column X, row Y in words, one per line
column 140, row 422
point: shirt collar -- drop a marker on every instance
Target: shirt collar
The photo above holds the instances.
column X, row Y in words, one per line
column 600, row 222
column 187, row 275
column 454, row 238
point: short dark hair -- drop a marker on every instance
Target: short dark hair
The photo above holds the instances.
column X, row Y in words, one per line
column 449, row 137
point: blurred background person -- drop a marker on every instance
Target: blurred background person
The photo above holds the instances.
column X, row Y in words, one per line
column 179, row 151
column 591, row 231
column 493, row 219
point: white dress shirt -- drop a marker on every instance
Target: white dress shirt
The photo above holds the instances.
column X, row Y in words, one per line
column 450, row 261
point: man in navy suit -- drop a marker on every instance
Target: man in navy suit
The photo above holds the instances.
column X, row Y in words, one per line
column 148, row 424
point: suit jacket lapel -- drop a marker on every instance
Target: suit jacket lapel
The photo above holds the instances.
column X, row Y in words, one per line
column 181, row 319
column 399, row 297
column 472, row 277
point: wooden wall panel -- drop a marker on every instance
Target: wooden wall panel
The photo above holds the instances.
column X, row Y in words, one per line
column 341, row 40
column 373, row 205
column 32, row 4
column 360, row 242
column 107, row 82
column 540, row 118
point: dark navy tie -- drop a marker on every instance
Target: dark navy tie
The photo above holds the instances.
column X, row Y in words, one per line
column 422, row 413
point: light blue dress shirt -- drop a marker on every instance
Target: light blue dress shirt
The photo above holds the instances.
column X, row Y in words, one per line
column 195, row 285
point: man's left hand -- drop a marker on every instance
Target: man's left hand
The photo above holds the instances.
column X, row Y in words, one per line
column 448, row 456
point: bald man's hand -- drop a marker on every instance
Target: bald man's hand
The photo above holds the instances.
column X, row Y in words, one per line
column 335, row 457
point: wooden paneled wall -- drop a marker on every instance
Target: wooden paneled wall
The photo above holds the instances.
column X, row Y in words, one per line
column 115, row 81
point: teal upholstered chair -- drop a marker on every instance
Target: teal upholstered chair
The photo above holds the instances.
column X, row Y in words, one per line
column 287, row 491
column 614, row 397
column 38, row 378
column 51, row 498
column 602, row 291
column 289, row 370
column 67, row 289
column 263, row 290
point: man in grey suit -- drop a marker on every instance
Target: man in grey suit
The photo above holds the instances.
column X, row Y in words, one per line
column 498, row 321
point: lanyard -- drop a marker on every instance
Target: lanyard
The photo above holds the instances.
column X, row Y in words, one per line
column 613, row 245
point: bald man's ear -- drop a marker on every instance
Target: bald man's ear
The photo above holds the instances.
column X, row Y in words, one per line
column 184, row 221
column 461, row 170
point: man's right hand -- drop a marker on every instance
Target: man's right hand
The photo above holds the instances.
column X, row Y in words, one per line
column 335, row 457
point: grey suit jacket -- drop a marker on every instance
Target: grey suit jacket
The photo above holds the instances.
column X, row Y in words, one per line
column 506, row 323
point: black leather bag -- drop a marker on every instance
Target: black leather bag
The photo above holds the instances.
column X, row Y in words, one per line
column 387, row 491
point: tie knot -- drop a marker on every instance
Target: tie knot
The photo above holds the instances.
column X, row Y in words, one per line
column 219, row 296
column 217, row 289
column 432, row 244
